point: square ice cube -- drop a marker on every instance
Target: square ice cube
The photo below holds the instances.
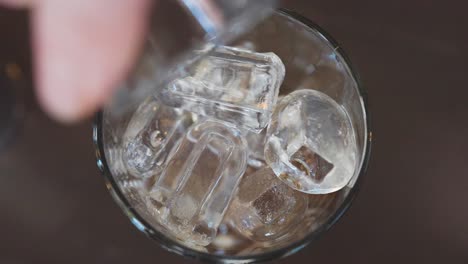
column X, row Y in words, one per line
column 230, row 84
column 273, row 203
column 312, row 164
column 265, row 208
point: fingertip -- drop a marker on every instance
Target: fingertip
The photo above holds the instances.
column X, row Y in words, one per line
column 62, row 100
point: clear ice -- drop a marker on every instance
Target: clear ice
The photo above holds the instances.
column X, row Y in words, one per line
column 311, row 144
column 232, row 85
column 265, row 208
column 196, row 186
column 152, row 132
column 255, row 148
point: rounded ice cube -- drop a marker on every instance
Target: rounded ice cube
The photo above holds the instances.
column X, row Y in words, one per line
column 311, row 144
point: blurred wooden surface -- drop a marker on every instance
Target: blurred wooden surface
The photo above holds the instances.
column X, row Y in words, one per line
column 412, row 57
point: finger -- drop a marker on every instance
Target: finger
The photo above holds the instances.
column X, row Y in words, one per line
column 82, row 49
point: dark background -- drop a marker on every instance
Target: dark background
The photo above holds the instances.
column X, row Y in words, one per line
column 412, row 57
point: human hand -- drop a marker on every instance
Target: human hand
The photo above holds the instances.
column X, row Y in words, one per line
column 82, row 49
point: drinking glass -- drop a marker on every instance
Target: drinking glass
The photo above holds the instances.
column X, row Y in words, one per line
column 312, row 60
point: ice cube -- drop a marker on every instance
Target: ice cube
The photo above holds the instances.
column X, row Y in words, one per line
column 134, row 191
column 228, row 241
column 311, row 144
column 152, row 132
column 132, row 187
column 115, row 162
column 311, row 164
column 255, row 146
column 196, row 186
column 232, row 85
column 265, row 208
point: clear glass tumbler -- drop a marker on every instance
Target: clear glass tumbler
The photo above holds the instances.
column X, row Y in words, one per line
column 312, row 60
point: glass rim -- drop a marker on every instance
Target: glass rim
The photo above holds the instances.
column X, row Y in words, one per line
column 172, row 246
